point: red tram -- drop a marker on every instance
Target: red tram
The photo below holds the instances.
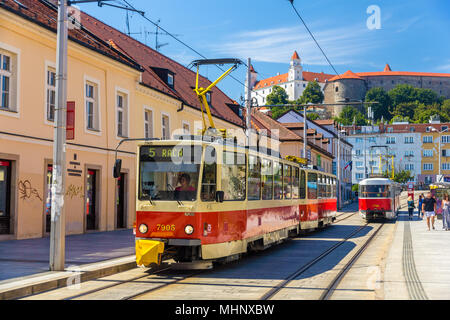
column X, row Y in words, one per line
column 212, row 200
column 379, row 198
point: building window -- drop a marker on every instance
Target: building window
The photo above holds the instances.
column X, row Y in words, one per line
column 359, row 176
column 165, row 127
column 428, row 180
column 427, row 139
column 186, row 128
column 358, row 152
column 208, row 97
column 446, row 139
column 409, row 153
column 412, row 129
column 359, row 164
column 390, row 140
column 92, row 118
column 170, row 80
column 336, row 89
column 446, row 166
column 409, row 139
column 409, row 166
column 148, row 123
column 427, row 166
column 51, row 94
column 5, row 81
column 122, row 114
column 390, row 129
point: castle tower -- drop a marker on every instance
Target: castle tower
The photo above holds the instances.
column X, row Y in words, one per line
column 295, row 68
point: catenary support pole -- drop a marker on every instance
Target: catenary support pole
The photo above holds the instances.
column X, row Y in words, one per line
column 339, row 168
column 57, row 231
column 248, row 102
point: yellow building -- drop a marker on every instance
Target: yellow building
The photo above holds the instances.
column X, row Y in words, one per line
column 435, row 152
column 121, row 89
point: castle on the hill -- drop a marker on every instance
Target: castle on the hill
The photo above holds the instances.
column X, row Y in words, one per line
column 352, row 87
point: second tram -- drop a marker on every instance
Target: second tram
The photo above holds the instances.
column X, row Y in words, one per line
column 379, row 198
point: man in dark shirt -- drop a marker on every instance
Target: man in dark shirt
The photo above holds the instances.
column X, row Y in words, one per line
column 429, row 207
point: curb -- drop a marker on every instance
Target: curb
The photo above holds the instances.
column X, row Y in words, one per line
column 25, row 286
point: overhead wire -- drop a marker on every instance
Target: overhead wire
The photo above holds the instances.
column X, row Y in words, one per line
column 312, row 36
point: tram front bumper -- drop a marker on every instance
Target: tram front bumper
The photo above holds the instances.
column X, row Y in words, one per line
column 148, row 252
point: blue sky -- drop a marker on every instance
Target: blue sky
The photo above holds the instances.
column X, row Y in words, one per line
column 414, row 35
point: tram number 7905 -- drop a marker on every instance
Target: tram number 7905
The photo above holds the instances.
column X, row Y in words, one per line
column 165, row 227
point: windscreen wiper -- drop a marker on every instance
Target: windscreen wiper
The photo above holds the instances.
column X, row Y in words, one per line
column 179, row 201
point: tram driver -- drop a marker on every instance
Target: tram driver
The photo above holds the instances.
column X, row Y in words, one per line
column 185, row 191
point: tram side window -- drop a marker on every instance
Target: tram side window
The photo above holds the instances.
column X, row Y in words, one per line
column 277, row 181
column 254, row 178
column 302, row 184
column 267, row 179
column 287, row 182
column 233, row 175
column 295, row 183
column 312, row 185
column 319, row 186
column 209, row 182
column 328, row 187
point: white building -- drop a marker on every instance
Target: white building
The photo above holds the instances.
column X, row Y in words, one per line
column 369, row 144
column 329, row 130
column 293, row 82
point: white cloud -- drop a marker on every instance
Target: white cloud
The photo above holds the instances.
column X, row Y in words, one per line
column 444, row 67
column 342, row 45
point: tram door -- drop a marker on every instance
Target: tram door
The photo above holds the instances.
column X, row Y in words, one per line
column 120, row 204
column 91, row 199
column 5, row 195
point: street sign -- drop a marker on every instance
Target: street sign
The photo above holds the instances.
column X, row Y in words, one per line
column 439, row 178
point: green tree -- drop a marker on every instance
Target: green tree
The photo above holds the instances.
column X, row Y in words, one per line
column 426, row 96
column 277, row 96
column 423, row 113
column 312, row 116
column 405, row 109
column 312, row 93
column 402, row 176
column 382, row 108
column 402, row 93
column 349, row 115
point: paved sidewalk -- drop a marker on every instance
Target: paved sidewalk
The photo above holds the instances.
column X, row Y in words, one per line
column 19, row 258
column 418, row 263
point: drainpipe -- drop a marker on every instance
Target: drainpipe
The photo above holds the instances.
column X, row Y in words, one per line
column 181, row 108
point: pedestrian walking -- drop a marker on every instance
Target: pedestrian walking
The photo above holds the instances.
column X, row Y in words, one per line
column 411, row 207
column 419, row 207
column 446, row 212
column 429, row 208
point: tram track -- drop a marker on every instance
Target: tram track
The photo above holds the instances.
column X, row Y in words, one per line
column 341, row 274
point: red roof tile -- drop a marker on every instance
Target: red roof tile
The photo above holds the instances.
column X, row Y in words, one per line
column 184, row 78
column 282, row 78
column 348, row 75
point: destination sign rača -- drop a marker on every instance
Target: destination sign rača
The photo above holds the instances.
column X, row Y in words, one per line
column 186, row 154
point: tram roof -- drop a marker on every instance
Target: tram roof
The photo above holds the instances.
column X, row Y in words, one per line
column 376, row 181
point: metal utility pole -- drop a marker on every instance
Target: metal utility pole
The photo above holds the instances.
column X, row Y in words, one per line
column 305, row 137
column 248, row 102
column 339, row 168
column 58, row 225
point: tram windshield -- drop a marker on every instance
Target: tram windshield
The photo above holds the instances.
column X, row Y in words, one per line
column 374, row 191
column 169, row 173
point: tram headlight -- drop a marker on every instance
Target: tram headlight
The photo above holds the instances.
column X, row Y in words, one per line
column 143, row 228
column 189, row 229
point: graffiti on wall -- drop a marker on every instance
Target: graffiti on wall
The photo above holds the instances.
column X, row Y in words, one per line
column 27, row 191
column 74, row 191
